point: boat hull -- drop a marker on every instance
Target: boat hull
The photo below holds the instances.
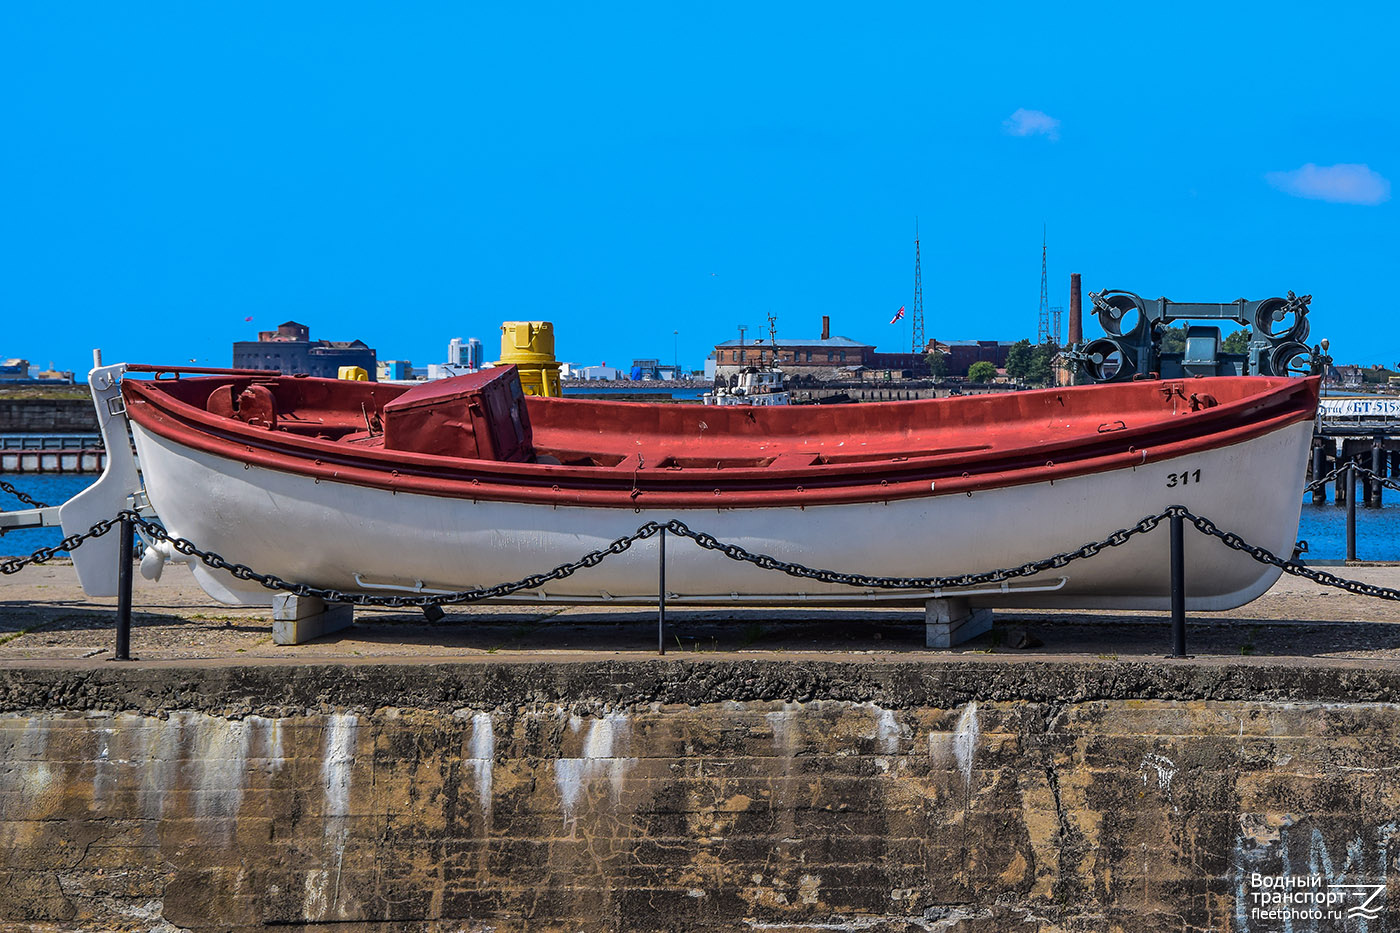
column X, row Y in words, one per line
column 315, row 530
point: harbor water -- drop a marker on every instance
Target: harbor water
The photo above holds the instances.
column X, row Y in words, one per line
column 1322, row 526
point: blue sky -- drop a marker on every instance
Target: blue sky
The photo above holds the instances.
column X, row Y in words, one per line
column 409, row 173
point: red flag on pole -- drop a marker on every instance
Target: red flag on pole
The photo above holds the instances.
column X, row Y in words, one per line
column 898, row 314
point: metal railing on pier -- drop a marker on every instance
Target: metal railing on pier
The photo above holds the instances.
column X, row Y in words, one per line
column 52, row 453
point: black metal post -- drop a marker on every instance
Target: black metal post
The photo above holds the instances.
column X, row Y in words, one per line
column 124, row 575
column 1351, row 510
column 1178, row 596
column 1319, row 470
column 1339, row 491
column 661, row 600
column 1377, row 471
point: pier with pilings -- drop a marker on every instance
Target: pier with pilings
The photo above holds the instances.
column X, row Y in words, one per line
column 1363, row 431
column 52, row 453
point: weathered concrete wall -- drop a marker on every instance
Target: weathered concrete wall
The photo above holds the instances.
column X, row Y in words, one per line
column 693, row 796
column 47, row 416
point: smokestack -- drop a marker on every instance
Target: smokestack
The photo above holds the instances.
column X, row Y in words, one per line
column 826, row 326
column 1076, row 310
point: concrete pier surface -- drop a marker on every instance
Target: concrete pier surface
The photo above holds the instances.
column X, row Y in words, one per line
column 527, row 769
column 44, row 616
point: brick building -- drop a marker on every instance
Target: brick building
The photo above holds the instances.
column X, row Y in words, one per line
column 289, row 349
column 824, row 357
column 961, row 354
column 832, row 358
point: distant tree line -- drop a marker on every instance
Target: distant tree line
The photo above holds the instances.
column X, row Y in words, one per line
column 1030, row 364
column 1174, row 341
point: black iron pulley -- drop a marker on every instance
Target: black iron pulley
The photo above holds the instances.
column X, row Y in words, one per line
column 1282, row 319
column 1290, row 358
column 1121, row 314
column 1107, row 361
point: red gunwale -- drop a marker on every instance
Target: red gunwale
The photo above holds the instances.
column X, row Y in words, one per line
column 1044, row 455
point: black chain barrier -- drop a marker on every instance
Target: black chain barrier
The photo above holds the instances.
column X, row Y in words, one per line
column 1362, row 472
column 1367, row 472
column 21, row 496
column 1320, row 483
column 156, row 532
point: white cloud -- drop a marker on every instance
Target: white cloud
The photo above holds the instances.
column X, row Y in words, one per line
column 1031, row 123
column 1343, row 184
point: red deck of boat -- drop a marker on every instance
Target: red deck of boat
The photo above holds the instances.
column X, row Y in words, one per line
column 667, row 455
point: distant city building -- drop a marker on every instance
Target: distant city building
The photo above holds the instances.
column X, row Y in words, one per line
column 603, row 371
column 645, row 369
column 961, row 354
column 839, row 358
column 397, row 370
column 825, row 357
column 1348, row 376
column 54, row 375
column 289, row 350
column 465, row 354
column 18, row 370
column 14, row 370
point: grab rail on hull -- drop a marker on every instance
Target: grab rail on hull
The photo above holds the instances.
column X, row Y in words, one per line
column 712, row 599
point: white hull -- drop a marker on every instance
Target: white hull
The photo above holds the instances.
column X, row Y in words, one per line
column 325, row 533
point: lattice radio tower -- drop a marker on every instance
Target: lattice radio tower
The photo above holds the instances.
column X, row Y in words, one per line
column 1043, row 333
column 917, row 311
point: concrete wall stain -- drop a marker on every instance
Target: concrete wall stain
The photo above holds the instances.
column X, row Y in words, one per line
column 554, row 813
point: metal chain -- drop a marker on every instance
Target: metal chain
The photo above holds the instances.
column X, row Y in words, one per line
column 1320, row 483
column 1361, row 473
column 1378, row 477
column 733, row 551
column 1265, row 556
column 155, row 532
column 21, row 496
column 273, row 582
column 1055, row 562
column 70, row 543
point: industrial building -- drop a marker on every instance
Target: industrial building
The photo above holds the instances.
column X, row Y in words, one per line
column 825, row 357
column 828, row 358
column 290, row 350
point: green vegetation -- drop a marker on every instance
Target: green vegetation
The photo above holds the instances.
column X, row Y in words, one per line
column 1018, row 359
column 1174, row 339
column 45, row 392
column 937, row 363
column 1377, row 375
column 1237, row 342
column 981, row 371
column 1031, row 364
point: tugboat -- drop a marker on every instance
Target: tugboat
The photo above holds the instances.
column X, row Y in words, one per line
column 765, row 384
column 753, row 386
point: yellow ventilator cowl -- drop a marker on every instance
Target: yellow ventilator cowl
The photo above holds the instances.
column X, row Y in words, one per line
column 530, row 346
column 353, row 373
column 527, row 342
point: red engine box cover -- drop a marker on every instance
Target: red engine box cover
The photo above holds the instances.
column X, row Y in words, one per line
column 480, row 416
